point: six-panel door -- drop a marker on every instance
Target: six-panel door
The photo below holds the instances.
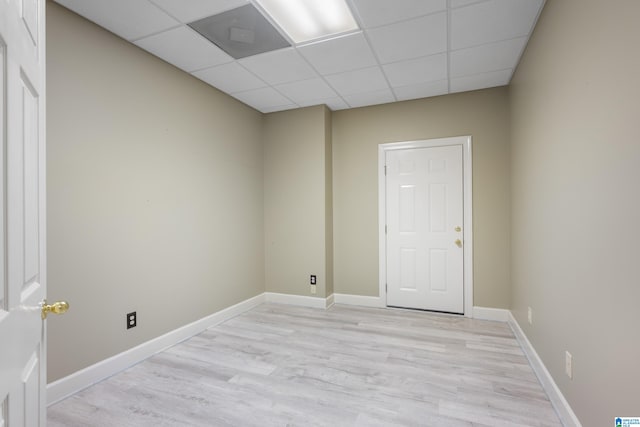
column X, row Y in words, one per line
column 424, row 197
column 22, row 196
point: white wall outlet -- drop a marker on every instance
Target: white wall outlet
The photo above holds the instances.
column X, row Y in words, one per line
column 568, row 364
column 313, row 289
column 530, row 316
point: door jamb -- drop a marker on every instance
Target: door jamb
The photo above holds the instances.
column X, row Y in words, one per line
column 467, row 187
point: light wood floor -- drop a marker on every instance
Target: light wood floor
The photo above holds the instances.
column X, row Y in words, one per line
column 279, row 365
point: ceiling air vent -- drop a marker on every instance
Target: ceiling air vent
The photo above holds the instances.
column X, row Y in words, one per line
column 241, row 32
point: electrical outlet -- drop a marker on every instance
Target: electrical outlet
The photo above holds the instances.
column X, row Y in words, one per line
column 132, row 320
column 530, row 316
column 313, row 289
column 568, row 364
column 312, row 280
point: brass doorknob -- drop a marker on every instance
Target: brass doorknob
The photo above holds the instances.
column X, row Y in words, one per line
column 458, row 243
column 59, row 307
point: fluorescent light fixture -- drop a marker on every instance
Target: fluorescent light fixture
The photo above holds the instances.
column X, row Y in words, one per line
column 306, row 20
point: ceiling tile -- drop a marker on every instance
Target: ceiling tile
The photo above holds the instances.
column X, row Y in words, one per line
column 421, row 90
column 333, row 103
column 340, row 54
column 492, row 21
column 185, row 49
column 280, row 66
column 264, row 98
column 306, row 90
column 229, row 78
column 481, row 81
column 365, row 80
column 370, row 98
column 429, row 68
column 461, row 3
column 191, row 10
column 130, row 19
column 410, row 39
column 374, row 13
column 488, row 57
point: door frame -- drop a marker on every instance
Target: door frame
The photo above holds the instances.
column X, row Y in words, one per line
column 467, row 227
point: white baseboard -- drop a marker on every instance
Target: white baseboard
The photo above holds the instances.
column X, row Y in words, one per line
column 361, row 300
column 88, row 376
column 331, row 300
column 560, row 404
column 495, row 314
column 301, row 300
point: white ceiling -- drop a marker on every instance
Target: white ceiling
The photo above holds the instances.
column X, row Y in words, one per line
column 406, row 49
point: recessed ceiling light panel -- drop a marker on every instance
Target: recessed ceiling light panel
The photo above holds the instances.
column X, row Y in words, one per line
column 306, row 20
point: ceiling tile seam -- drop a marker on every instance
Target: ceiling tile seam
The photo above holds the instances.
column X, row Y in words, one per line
column 193, row 19
column 403, row 21
column 464, row 76
column 300, row 81
column 155, row 33
column 213, row 66
column 153, row 5
column 320, row 75
column 267, row 85
column 491, row 43
column 475, row 3
column 413, row 58
column 484, row 73
column 165, row 11
column 449, row 46
column 375, row 56
column 418, row 84
column 378, row 67
column 248, row 71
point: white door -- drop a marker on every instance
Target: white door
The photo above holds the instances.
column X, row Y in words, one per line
column 424, row 214
column 22, row 195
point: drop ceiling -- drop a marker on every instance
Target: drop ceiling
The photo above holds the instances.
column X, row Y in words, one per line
column 405, row 49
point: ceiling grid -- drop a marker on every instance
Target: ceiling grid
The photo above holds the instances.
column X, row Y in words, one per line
column 405, row 49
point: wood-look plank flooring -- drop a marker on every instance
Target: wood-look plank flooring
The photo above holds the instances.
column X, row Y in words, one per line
column 280, row 365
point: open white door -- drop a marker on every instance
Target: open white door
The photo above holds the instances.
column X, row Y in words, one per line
column 22, row 195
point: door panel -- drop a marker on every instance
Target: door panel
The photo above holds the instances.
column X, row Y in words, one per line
column 424, row 199
column 30, row 196
column 22, row 221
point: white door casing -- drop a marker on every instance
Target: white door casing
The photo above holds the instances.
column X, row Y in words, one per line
column 22, row 195
column 425, row 225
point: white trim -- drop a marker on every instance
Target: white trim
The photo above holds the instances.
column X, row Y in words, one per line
column 560, row 404
column 361, row 300
column 330, row 300
column 465, row 142
column 301, row 300
column 65, row 387
column 494, row 314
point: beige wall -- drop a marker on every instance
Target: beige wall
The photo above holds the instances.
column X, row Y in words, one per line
column 295, row 211
column 356, row 135
column 575, row 199
column 154, row 195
